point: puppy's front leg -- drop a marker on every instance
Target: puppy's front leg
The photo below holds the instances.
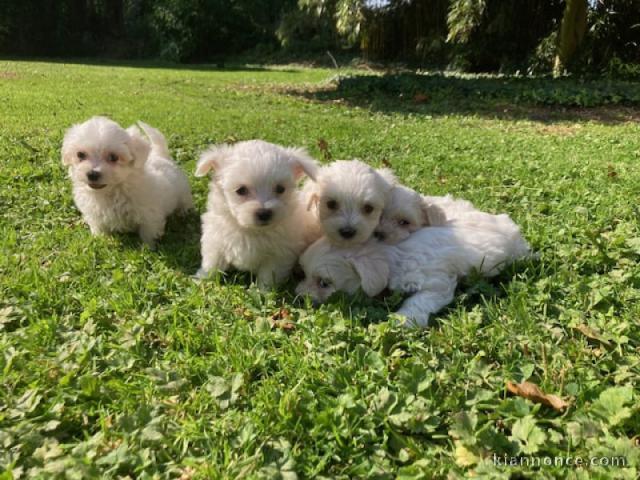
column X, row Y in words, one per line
column 96, row 227
column 212, row 249
column 418, row 307
column 273, row 273
column 211, row 263
column 151, row 231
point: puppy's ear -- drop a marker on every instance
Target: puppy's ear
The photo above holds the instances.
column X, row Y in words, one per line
column 68, row 151
column 138, row 146
column 213, row 158
column 155, row 136
column 373, row 269
column 314, row 199
column 388, row 176
column 432, row 215
column 301, row 163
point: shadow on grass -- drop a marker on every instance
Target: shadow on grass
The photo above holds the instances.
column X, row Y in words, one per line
column 180, row 246
column 540, row 99
column 215, row 66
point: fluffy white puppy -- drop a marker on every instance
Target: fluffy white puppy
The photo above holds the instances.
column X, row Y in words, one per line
column 349, row 197
column 426, row 265
column 407, row 211
column 122, row 181
column 256, row 219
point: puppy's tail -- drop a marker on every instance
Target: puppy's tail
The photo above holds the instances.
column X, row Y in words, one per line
column 158, row 142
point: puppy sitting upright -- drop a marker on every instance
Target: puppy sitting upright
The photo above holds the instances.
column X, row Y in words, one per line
column 123, row 182
column 349, row 197
column 255, row 219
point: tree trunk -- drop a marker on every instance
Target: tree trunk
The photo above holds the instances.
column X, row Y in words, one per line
column 572, row 30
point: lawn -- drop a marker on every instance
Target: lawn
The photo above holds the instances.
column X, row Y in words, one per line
column 117, row 364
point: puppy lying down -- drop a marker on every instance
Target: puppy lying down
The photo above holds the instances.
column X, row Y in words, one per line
column 427, row 265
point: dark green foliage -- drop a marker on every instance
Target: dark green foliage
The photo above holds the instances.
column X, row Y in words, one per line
column 75, row 27
column 493, row 35
column 468, row 35
column 309, row 27
column 415, row 31
column 179, row 30
column 612, row 43
column 200, row 30
column 438, row 88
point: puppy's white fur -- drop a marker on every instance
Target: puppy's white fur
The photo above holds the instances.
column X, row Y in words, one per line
column 251, row 178
column 407, row 211
column 122, row 181
column 426, row 265
column 348, row 198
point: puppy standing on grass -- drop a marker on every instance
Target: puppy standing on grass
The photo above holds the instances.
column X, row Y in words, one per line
column 348, row 198
column 123, row 182
column 256, row 219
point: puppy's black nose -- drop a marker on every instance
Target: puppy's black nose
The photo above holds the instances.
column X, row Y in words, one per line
column 93, row 176
column 380, row 236
column 347, row 232
column 264, row 214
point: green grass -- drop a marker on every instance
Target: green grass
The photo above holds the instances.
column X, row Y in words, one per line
column 116, row 363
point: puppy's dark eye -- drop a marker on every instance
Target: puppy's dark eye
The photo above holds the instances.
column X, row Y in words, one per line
column 242, row 191
column 403, row 222
column 367, row 208
column 279, row 189
column 332, row 205
column 322, row 283
column 112, row 157
column 82, row 155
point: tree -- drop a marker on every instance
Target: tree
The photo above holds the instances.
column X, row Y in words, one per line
column 572, row 30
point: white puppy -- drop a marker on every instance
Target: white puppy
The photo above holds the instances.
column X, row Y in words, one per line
column 122, row 181
column 407, row 211
column 349, row 197
column 427, row 265
column 256, row 219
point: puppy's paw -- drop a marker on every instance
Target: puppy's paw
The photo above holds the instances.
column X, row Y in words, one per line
column 411, row 287
column 201, row 274
column 96, row 230
column 412, row 319
column 150, row 235
column 151, row 245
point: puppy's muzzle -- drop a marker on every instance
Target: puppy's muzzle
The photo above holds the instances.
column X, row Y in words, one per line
column 264, row 215
column 94, row 179
column 347, row 232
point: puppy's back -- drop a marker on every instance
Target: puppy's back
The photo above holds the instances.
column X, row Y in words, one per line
column 459, row 247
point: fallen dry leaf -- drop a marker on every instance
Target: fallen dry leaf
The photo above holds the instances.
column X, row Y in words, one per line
column 420, row 98
column 532, row 392
column 592, row 334
column 323, row 145
column 280, row 319
column 281, row 314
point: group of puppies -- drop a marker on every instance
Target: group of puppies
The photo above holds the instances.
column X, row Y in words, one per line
column 349, row 225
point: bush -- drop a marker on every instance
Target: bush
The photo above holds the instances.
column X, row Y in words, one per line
column 479, row 89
